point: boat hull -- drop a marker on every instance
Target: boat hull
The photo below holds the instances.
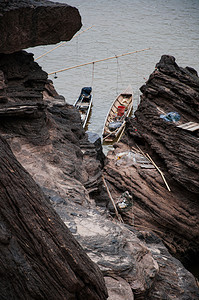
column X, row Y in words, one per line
column 83, row 104
column 120, row 109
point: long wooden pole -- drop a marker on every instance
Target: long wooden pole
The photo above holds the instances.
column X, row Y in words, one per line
column 96, row 61
column 62, row 44
column 150, row 159
column 109, row 193
column 162, row 175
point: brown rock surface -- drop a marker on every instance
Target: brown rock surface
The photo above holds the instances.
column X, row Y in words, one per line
column 47, row 138
column 135, row 261
column 39, row 258
column 46, row 135
column 118, row 289
column 30, row 23
column 173, row 215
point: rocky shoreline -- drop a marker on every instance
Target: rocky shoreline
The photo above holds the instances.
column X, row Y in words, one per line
column 170, row 210
column 59, row 234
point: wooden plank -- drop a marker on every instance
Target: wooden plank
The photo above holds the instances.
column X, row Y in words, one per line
column 190, row 126
column 142, row 161
column 147, row 166
column 150, row 159
column 184, row 125
column 194, row 128
column 110, row 197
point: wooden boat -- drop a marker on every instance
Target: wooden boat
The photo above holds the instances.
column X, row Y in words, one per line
column 115, row 120
column 84, row 103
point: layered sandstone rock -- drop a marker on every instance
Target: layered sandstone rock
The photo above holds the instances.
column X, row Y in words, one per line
column 30, row 23
column 39, row 257
column 47, row 138
column 46, row 134
column 173, row 214
column 135, row 264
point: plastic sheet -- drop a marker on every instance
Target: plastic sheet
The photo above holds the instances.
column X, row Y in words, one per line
column 114, row 125
column 125, row 158
column 171, row 117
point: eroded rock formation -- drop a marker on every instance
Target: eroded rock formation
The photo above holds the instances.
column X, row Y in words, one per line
column 47, row 138
column 135, row 264
column 173, row 215
column 39, row 256
column 51, row 144
column 30, row 23
column 40, row 259
column 45, row 130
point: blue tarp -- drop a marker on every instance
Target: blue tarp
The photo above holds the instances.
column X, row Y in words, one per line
column 85, row 93
column 86, row 90
column 114, row 125
column 171, row 117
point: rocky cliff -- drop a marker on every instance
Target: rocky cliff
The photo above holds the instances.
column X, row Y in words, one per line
column 30, row 23
column 47, row 138
column 161, row 131
column 57, row 165
column 39, row 256
column 40, row 259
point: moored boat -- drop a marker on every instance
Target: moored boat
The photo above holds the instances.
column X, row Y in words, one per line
column 115, row 120
column 84, row 103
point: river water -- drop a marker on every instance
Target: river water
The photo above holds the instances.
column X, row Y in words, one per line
column 121, row 26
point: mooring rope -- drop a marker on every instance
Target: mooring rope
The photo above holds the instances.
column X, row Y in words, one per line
column 118, row 73
column 92, row 75
column 62, row 44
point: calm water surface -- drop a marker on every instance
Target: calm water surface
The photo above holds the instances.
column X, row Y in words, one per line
column 167, row 27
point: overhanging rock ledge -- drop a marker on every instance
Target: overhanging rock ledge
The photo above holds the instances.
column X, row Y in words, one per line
column 30, row 23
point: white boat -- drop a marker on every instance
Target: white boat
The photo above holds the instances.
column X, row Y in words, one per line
column 115, row 120
column 84, row 104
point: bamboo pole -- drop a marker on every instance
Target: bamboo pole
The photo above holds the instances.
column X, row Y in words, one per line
column 115, row 208
column 62, row 44
column 104, row 138
column 141, row 151
column 161, row 173
column 96, row 61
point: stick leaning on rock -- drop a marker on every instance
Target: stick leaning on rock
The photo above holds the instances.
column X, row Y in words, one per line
column 161, row 173
column 112, row 201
